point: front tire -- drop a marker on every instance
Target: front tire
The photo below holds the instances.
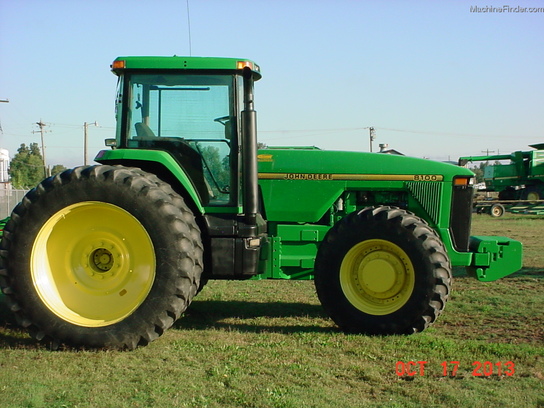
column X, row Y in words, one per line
column 384, row 271
column 100, row 256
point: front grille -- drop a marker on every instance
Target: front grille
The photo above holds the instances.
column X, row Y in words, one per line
column 428, row 195
column 461, row 216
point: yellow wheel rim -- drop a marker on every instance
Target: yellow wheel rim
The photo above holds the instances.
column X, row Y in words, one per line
column 92, row 264
column 497, row 211
column 533, row 197
column 377, row 277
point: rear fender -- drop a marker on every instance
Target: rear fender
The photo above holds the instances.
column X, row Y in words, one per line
column 160, row 163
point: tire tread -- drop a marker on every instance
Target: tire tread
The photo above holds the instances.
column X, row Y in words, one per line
column 176, row 217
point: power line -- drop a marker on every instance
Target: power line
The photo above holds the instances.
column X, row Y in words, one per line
column 430, row 132
column 423, row 132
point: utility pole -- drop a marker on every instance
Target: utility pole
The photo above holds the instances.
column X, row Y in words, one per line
column 85, row 140
column 5, row 101
column 41, row 125
column 487, row 151
column 372, row 136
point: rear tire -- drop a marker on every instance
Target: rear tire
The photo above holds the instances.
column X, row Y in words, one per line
column 382, row 270
column 100, row 256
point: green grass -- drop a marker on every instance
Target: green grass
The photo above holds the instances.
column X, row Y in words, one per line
column 269, row 344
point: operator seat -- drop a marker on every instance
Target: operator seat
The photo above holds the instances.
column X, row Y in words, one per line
column 181, row 151
column 143, row 131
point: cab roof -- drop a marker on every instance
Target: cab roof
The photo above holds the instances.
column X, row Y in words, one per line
column 186, row 63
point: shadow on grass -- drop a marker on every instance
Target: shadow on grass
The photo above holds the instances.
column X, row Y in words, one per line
column 203, row 315
column 11, row 341
column 206, row 314
column 11, row 335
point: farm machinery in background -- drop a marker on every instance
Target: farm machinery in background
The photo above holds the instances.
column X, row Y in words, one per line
column 518, row 186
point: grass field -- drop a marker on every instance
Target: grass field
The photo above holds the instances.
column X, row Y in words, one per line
column 269, row 344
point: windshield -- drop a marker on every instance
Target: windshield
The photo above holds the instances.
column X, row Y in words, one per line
column 187, row 106
column 194, row 118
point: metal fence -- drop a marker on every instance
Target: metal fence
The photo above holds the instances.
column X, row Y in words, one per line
column 8, row 200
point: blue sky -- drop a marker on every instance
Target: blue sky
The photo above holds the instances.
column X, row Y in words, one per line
column 435, row 79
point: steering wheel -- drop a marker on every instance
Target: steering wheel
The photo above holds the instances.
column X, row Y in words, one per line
column 223, row 120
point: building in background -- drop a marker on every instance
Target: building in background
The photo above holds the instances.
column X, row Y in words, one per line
column 5, row 184
column 384, row 148
column 4, row 165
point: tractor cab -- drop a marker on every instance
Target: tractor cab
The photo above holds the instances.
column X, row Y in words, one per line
column 190, row 121
column 193, row 111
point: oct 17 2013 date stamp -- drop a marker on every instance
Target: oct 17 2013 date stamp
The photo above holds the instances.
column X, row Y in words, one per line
column 451, row 368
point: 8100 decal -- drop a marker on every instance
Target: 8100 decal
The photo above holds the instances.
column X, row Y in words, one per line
column 450, row 368
column 427, row 177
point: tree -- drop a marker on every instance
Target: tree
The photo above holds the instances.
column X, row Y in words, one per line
column 26, row 168
column 57, row 168
column 479, row 171
column 218, row 168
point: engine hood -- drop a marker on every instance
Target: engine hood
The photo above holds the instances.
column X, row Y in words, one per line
column 314, row 162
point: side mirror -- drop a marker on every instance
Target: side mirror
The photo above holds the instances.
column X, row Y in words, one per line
column 110, row 143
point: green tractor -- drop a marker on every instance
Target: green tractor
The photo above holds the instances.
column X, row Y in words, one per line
column 111, row 255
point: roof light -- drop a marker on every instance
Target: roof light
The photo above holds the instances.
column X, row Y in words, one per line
column 244, row 64
column 119, row 64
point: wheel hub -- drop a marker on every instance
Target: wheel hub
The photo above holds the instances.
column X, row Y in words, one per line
column 378, row 275
column 101, row 260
